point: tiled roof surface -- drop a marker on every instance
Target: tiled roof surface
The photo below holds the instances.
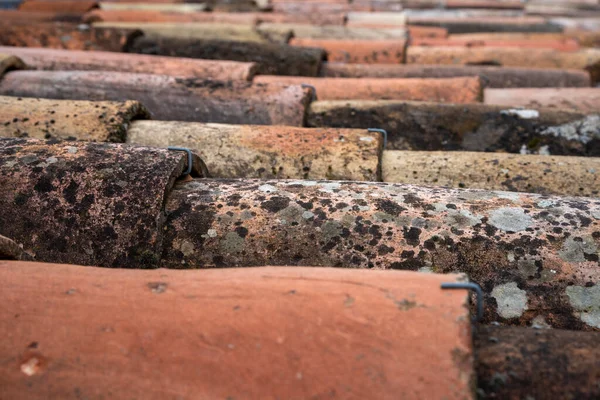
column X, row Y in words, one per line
column 435, row 137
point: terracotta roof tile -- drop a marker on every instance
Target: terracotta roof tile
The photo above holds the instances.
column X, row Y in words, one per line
column 157, row 16
column 543, row 363
column 357, row 51
column 169, row 98
column 495, row 171
column 303, row 7
column 376, row 19
column 9, row 62
column 63, row 6
column 471, row 127
column 244, row 151
column 192, row 30
column 66, row 36
column 588, row 59
column 20, row 17
column 153, row 6
column 305, row 31
column 500, row 239
column 586, row 100
column 55, row 59
column 271, row 58
column 490, row 24
column 452, row 90
column 563, row 45
column 102, row 121
column 416, row 31
column 495, row 77
column 105, row 199
column 562, row 9
column 260, row 333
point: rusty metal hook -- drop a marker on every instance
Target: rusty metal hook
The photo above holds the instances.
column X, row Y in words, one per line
column 314, row 90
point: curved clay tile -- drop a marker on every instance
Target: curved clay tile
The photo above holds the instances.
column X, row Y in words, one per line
column 245, row 151
column 544, row 174
column 170, row 98
column 305, row 31
column 74, row 60
column 87, row 203
column 494, row 77
column 66, row 36
column 585, row 100
column 271, row 58
column 62, row 6
column 98, row 121
column 358, row 51
column 252, row 333
column 158, row 16
column 480, row 127
column 451, row 90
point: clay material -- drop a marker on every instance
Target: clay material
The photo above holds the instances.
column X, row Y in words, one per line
column 9, row 250
column 566, row 44
column 472, row 127
column 261, row 333
column 66, row 36
column 488, row 24
column 571, row 176
column 87, row 203
column 158, row 16
column 358, row 51
column 169, row 98
column 525, row 250
column 585, row 100
column 271, row 58
column 158, row 6
column 73, row 60
column 243, row 151
column 416, row 31
column 101, row 121
column 516, row 363
column 305, row 31
column 192, row 30
column 494, row 77
column 588, row 59
column 18, row 17
column 375, row 19
column 9, row 62
column 63, row 6
column 452, row 90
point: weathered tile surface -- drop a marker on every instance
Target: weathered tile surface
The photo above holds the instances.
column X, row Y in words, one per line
column 525, row 250
column 585, row 100
column 253, row 151
column 86, row 203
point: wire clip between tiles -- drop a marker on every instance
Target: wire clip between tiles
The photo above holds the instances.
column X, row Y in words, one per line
column 314, row 90
column 469, row 286
column 190, row 158
column 383, row 132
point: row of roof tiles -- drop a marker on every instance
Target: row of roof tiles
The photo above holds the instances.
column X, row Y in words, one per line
column 534, row 256
column 245, row 151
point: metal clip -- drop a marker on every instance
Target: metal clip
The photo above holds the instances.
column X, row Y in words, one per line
column 469, row 286
column 383, row 132
column 314, row 89
column 190, row 158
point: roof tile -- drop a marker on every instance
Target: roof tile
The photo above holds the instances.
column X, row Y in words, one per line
column 261, row 333
column 495, row 171
column 357, row 51
column 62, row 6
column 9, row 62
column 170, row 98
column 56, row 59
column 101, row 121
column 435, row 126
column 305, row 31
column 586, row 100
column 244, row 151
column 452, row 90
column 494, row 77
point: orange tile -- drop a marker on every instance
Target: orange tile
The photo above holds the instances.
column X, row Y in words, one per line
column 358, row 51
column 22, row 17
column 452, row 90
column 74, row 60
column 66, row 36
column 165, row 16
column 416, row 31
column 260, row 333
column 58, row 6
